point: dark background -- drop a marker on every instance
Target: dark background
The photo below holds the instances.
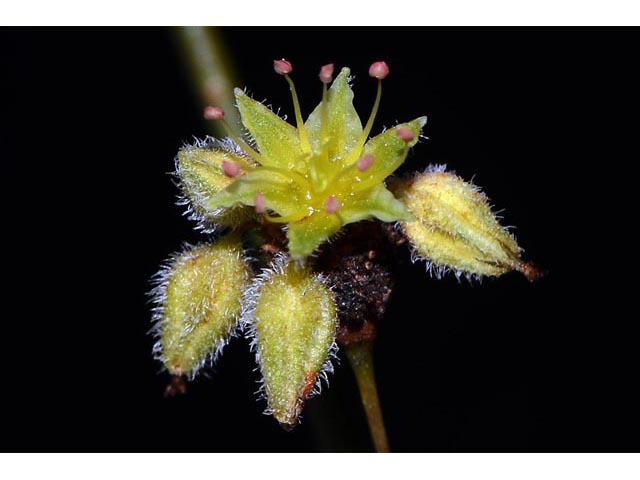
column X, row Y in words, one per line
column 544, row 118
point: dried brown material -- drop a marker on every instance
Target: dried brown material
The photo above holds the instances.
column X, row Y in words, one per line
column 177, row 386
column 532, row 271
column 358, row 267
column 276, row 239
column 304, row 396
column 396, row 237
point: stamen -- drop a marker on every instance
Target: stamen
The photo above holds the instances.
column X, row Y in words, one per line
column 283, row 67
column 320, row 162
column 213, row 113
column 406, row 135
column 333, row 204
column 365, row 163
column 323, row 109
column 377, row 70
column 362, row 164
column 230, row 169
column 217, row 114
column 300, row 180
column 326, row 73
column 260, row 203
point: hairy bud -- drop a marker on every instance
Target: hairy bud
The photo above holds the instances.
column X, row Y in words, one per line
column 198, row 304
column 293, row 321
column 204, row 170
column 454, row 228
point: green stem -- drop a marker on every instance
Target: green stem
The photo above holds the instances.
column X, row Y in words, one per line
column 361, row 359
column 210, row 72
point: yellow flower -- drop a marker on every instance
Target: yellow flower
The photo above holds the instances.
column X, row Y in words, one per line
column 320, row 175
column 311, row 179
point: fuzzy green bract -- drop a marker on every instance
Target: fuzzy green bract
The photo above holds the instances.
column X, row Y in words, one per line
column 198, row 304
column 294, row 327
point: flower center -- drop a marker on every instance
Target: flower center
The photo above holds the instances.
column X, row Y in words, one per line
column 322, row 183
column 326, row 188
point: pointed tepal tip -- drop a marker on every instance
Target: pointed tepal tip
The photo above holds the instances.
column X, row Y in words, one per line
column 379, row 70
column 326, row 73
column 213, row 113
column 282, row 67
column 406, row 135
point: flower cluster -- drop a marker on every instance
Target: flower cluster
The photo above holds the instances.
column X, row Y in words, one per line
column 280, row 196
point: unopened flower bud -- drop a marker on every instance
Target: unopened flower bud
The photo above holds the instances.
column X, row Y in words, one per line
column 198, row 304
column 293, row 320
column 454, row 228
column 204, row 170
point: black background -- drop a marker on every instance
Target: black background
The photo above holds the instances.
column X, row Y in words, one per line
column 545, row 119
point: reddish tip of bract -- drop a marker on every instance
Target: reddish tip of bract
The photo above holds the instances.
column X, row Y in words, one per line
column 406, row 135
column 379, row 70
column 365, row 163
column 260, row 203
column 231, row 169
column 213, row 113
column 282, row 67
column 333, row 204
column 326, row 73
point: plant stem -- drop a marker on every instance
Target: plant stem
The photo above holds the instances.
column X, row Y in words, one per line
column 361, row 359
column 210, row 71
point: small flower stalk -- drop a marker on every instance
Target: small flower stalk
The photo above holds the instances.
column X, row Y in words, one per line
column 276, row 268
